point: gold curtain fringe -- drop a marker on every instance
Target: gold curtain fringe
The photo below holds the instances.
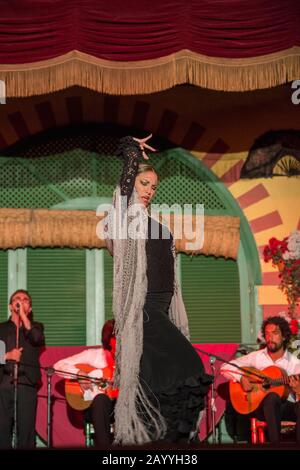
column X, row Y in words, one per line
column 41, row 228
column 221, row 237
column 20, row 228
column 149, row 76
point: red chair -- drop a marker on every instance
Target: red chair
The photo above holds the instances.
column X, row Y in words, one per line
column 258, row 429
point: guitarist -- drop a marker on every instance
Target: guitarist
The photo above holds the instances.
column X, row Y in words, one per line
column 99, row 358
column 276, row 333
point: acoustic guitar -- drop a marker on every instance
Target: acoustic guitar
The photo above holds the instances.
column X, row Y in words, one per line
column 271, row 379
column 74, row 392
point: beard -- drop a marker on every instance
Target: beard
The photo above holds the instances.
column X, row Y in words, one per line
column 274, row 347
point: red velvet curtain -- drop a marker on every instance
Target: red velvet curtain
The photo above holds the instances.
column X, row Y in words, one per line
column 132, row 30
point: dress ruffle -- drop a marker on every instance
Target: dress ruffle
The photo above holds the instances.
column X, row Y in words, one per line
column 171, row 371
column 181, row 408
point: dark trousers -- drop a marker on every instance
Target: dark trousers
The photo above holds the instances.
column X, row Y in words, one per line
column 273, row 411
column 101, row 415
column 237, row 425
column 26, row 409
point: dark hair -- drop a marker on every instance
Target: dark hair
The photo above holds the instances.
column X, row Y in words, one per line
column 20, row 291
column 23, row 291
column 283, row 325
column 107, row 333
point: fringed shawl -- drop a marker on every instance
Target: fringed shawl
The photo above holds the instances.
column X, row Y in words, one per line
column 135, row 415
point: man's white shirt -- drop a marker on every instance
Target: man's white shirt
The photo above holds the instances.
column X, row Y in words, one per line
column 260, row 360
column 95, row 357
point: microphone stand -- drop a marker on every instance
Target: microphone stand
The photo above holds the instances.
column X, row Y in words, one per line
column 212, row 401
column 244, row 372
column 15, row 382
column 49, row 372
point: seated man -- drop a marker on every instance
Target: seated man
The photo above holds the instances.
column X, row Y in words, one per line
column 99, row 358
column 276, row 332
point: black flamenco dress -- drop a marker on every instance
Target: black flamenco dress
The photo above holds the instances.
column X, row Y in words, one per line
column 171, row 371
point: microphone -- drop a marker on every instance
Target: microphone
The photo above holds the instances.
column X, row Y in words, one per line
column 18, row 306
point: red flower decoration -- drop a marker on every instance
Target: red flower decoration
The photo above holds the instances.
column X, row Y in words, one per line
column 288, row 265
column 294, row 326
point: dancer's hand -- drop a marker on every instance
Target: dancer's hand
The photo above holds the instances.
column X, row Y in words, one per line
column 144, row 145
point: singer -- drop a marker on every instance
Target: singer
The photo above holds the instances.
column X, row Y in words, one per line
column 23, row 338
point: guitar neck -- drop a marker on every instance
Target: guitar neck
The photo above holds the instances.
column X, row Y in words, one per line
column 282, row 381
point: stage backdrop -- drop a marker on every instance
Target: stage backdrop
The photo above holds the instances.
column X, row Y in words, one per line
column 67, row 424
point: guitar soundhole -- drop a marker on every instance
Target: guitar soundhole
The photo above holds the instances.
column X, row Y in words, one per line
column 266, row 385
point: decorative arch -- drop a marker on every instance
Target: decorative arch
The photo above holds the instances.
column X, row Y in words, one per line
column 248, row 256
column 217, row 198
